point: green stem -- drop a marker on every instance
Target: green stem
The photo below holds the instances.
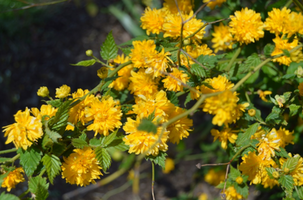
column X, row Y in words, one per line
column 181, row 44
column 13, row 159
column 23, row 194
column 153, row 179
column 42, row 172
column 231, row 62
column 288, row 3
column 228, row 60
column 117, row 190
column 247, row 98
column 297, row 3
column 8, row 151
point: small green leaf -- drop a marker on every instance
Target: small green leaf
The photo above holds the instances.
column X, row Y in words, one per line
column 55, row 103
column 291, row 163
column 294, row 109
column 234, row 173
column 286, row 181
column 299, row 191
column 268, row 49
column 85, row 63
column 4, row 196
column 286, row 52
column 270, row 170
column 253, row 78
column 103, row 157
column 126, row 107
column 242, row 189
column 173, row 98
column 29, row 159
column 126, row 51
column 282, row 153
column 110, row 138
column 209, row 61
column 251, row 62
column 148, row 126
column 53, row 135
column 274, row 117
column 109, row 49
column 159, row 159
column 245, row 137
column 59, row 122
column 52, row 164
column 94, row 142
column 79, row 143
column 38, row 186
column 188, row 99
column 198, row 70
column 247, row 150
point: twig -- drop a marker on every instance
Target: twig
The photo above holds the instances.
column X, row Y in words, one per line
column 153, row 179
column 8, row 151
column 194, row 59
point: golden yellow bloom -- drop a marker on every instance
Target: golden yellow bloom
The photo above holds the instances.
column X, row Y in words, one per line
column 142, row 84
column 231, row 194
column 195, row 52
column 259, row 134
column 62, row 92
column 267, row 181
column 246, row 26
column 159, row 64
column 26, row 130
column 214, row 177
column 286, row 137
column 13, row 178
column 300, row 87
column 143, row 142
column 224, row 135
column 172, row 26
column 222, row 38
column 262, row 94
column 268, row 145
column 214, row 3
column 43, row 92
column 297, row 173
column 277, row 20
column 106, row 115
column 218, row 84
column 169, row 166
column 179, row 129
column 153, row 19
column 203, row 196
column 102, row 72
column 46, row 110
column 143, row 53
column 282, row 44
column 81, row 167
column 175, row 81
column 185, row 6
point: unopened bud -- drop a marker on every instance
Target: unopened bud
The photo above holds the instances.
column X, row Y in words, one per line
column 89, row 52
column 239, row 180
column 43, row 92
column 186, row 42
column 102, row 72
column 286, row 170
column 276, row 174
column 299, row 72
column 251, row 112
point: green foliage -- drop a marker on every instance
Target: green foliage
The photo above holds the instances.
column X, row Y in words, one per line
column 282, row 153
column 103, row 157
column 79, row 143
column 268, row 49
column 38, row 186
column 59, row 121
column 29, row 159
column 270, row 170
column 52, row 164
column 4, row 196
column 109, row 49
column 244, row 138
column 173, row 98
column 159, row 159
column 291, row 163
column 85, row 63
column 286, row 181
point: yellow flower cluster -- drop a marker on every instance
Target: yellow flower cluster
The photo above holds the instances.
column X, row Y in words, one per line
column 13, row 178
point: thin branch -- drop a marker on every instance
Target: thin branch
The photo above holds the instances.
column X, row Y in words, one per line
column 153, row 179
column 194, row 59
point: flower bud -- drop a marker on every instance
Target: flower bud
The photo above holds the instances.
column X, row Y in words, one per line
column 251, row 112
column 286, row 170
column 186, row 42
column 299, row 72
column 89, row 52
column 102, row 72
column 63, row 91
column 276, row 174
column 43, row 92
column 239, row 180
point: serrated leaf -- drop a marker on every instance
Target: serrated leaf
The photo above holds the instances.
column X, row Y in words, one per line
column 291, row 163
column 245, row 137
column 188, row 99
column 268, row 49
column 29, row 159
column 118, row 144
column 103, row 157
column 52, row 164
column 55, row 103
column 159, row 159
column 299, row 191
column 110, row 138
column 294, row 109
column 247, row 150
column 234, row 173
column 282, row 153
column 286, row 181
column 198, row 70
column 60, row 120
column 251, row 61
column 242, row 189
column 39, row 187
column 79, row 143
column 109, row 49
column 209, row 60
column 94, row 142
column 4, row 196
column 53, row 135
column 173, row 98
column 148, row 126
column 85, row 63
column 286, row 52
column 274, row 116
column 126, row 51
column 126, row 107
column 270, row 170
column 222, row 185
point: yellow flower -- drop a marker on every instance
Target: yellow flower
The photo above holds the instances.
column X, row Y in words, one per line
column 282, row 44
column 277, row 20
column 222, row 38
column 185, row 6
column 169, row 166
column 153, row 19
column 214, row 177
column 142, row 84
column 224, row 135
column 300, row 87
column 13, row 178
column 46, row 110
column 77, row 113
column 102, row 72
column 179, row 129
column 231, row 194
column 203, row 196
column 122, row 82
column 159, row 64
column 286, row 137
column 143, row 142
column 246, row 26
column 220, row 83
column 297, row 173
column 175, row 81
column 106, row 115
column 43, row 92
column 62, row 92
column 214, row 3
column 262, row 94
column 268, row 145
column 267, row 181
column 143, row 53
column 25, row 131
column 81, row 167
column 172, row 26
column 195, row 52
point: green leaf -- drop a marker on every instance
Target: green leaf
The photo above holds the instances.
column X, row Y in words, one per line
column 94, row 142
column 282, row 153
column 269, row 70
column 39, row 187
column 53, row 135
column 159, row 159
column 294, row 109
column 286, row 52
column 109, row 49
column 247, row 150
column 29, row 159
column 59, row 122
column 55, row 103
column 286, row 181
column 173, row 98
column 198, row 70
column 52, row 164
column 209, row 61
column 268, row 49
column 253, row 78
column 242, row 189
column 270, row 170
column 274, row 117
column 234, row 173
column 103, row 157
column 299, row 191
column 110, row 138
column 251, row 62
column 85, row 63
column 188, row 99
column 79, row 143
column 126, row 51
column 147, row 125
column 118, row 144
column 245, row 137
column 4, row 196
column 291, row 163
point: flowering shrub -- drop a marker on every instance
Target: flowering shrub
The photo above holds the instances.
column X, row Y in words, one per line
column 136, row 108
